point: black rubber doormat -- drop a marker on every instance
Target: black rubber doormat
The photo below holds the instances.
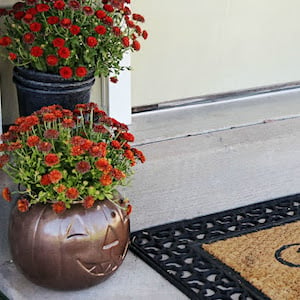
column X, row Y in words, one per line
column 175, row 250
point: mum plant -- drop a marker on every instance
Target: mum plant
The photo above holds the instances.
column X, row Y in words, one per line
column 66, row 157
column 71, row 37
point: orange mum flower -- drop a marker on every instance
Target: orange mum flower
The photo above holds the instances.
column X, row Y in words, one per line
column 72, row 193
column 102, row 164
column 33, row 141
column 106, row 179
column 23, row 205
column 55, row 176
column 88, row 201
column 59, row 207
column 76, row 151
column 6, row 194
column 45, row 180
column 129, row 209
column 51, row 159
column 61, row 188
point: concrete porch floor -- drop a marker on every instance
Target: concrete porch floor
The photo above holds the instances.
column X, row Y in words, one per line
column 200, row 159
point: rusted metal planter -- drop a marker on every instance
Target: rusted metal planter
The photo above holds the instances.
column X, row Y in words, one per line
column 69, row 251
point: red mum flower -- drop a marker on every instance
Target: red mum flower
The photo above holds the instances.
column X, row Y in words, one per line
column 76, row 151
column 51, row 134
column 5, row 41
column 77, row 140
column 74, row 29
column 145, row 34
column 102, row 164
column 127, row 11
column 66, row 72
column 138, row 29
column 14, row 146
column 72, row 193
column 118, row 174
column 87, row 144
column 44, row 146
column 55, row 176
column 68, row 123
column 100, row 14
column 108, row 20
column 52, row 60
column 18, row 15
column 108, row 7
column 74, row 4
column 116, row 30
column 23, row 205
column 129, row 154
column 139, row 154
column 138, row 17
column 4, row 159
column 59, row 4
column 127, row 136
column 130, row 23
column 125, row 41
column 12, row 56
column 33, row 140
column 136, row 45
column 91, row 41
column 28, row 18
column 88, row 10
column 100, row 29
column 88, row 202
column 113, row 79
column 64, row 52
column 119, row 4
column 66, row 22
column 35, row 27
column 42, row 7
column 116, row 144
column 53, row 20
column 51, row 159
column 100, row 129
column 83, row 167
column 59, row 207
column 36, row 51
column 31, row 120
column 28, row 38
column 6, row 194
column 58, row 42
column 98, row 150
column 81, row 71
column 49, row 117
column 105, row 179
column 45, row 180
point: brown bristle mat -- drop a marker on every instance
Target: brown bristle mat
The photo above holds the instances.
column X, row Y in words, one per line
column 269, row 259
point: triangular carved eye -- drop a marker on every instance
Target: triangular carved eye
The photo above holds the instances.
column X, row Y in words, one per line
column 76, row 228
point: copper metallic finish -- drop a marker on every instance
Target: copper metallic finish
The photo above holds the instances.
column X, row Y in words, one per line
column 69, row 251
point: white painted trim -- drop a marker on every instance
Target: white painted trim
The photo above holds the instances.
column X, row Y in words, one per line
column 117, row 96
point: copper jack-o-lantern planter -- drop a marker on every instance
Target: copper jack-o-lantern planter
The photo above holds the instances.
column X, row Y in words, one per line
column 69, row 251
column 70, row 226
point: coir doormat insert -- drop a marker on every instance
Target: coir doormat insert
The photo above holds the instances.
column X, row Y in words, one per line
column 248, row 253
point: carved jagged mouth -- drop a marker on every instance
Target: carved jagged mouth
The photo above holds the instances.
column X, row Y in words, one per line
column 100, row 269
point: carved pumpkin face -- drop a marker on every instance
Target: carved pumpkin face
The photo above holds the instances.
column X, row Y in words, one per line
column 74, row 250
